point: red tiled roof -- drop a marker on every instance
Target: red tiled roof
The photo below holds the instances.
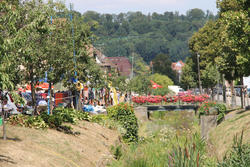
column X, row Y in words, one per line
column 122, row 64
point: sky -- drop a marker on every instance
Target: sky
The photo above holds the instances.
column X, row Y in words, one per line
column 145, row 6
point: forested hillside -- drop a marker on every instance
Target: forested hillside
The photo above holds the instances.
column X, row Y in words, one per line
column 146, row 35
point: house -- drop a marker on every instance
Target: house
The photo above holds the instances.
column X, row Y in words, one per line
column 101, row 60
column 177, row 66
column 123, row 65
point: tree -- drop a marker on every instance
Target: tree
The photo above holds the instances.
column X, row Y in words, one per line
column 210, row 77
column 139, row 65
column 7, row 32
column 33, row 27
column 162, row 80
column 188, row 75
column 163, row 65
column 140, row 84
column 234, row 19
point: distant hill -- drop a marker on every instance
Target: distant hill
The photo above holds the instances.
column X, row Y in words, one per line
column 146, row 35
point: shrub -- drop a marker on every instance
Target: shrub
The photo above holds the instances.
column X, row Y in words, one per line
column 124, row 114
column 53, row 121
column 239, row 155
column 44, row 120
column 28, row 121
column 209, row 108
column 71, row 115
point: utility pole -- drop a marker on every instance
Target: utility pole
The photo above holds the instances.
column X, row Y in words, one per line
column 132, row 66
column 199, row 75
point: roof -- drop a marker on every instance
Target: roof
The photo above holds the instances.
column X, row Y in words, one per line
column 123, row 64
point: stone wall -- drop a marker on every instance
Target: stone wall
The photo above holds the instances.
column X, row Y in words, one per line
column 207, row 122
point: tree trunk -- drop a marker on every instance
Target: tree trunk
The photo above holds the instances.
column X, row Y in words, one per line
column 50, row 105
column 224, row 90
column 232, row 94
column 212, row 94
column 33, row 95
column 241, row 92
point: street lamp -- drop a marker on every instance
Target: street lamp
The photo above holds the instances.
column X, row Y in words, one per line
column 199, row 75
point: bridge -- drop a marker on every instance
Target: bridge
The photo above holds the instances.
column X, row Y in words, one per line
column 144, row 111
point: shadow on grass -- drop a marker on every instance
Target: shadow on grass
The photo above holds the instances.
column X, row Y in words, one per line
column 7, row 159
column 11, row 139
column 242, row 111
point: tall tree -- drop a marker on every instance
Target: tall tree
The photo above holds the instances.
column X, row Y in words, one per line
column 188, row 76
column 7, row 32
column 163, row 65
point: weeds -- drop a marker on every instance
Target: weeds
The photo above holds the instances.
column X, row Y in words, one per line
column 239, row 155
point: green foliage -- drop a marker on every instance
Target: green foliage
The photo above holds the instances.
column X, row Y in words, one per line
column 190, row 155
column 140, row 84
column 163, row 65
column 165, row 144
column 162, row 80
column 239, row 155
column 70, row 115
column 17, row 98
column 209, row 76
column 124, row 114
column 100, row 118
column 225, row 42
column 55, row 121
column 117, row 151
column 36, row 122
column 146, row 35
column 139, row 65
column 188, row 75
column 208, row 108
column 161, row 91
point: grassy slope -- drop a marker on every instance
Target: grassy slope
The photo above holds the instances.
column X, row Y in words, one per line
column 221, row 137
column 40, row 148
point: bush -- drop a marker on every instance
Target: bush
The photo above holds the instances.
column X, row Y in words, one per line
column 239, row 155
column 71, row 115
column 53, row 121
column 211, row 108
column 36, row 122
column 124, row 114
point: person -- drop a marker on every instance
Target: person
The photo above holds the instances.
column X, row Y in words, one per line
column 112, row 97
column 7, row 108
column 91, row 96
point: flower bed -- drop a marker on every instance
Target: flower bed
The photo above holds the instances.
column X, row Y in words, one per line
column 170, row 99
